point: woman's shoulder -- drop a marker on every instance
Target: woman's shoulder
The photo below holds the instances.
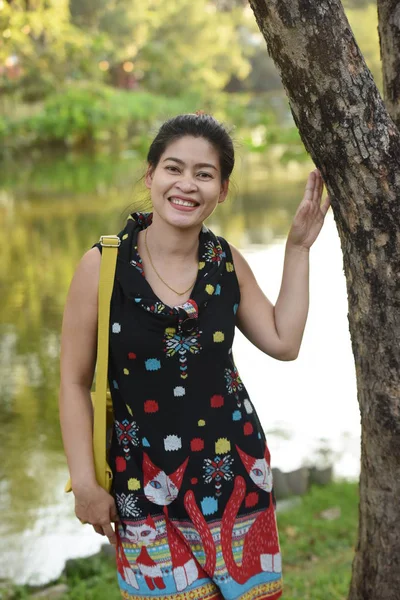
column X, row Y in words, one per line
column 241, row 266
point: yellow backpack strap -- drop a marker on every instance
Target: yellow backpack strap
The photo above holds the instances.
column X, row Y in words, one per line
column 110, row 245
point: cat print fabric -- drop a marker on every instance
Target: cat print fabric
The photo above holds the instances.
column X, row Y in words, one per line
column 192, row 470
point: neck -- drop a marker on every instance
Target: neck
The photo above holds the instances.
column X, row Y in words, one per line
column 171, row 243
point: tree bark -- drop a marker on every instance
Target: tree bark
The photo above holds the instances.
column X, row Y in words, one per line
column 353, row 141
column 389, row 38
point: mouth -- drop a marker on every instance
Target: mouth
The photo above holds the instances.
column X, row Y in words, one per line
column 183, row 203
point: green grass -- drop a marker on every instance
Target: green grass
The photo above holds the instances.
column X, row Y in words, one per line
column 317, row 553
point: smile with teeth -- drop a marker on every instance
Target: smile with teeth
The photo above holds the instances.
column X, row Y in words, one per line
column 182, row 202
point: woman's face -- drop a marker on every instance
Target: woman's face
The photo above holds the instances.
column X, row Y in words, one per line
column 186, row 185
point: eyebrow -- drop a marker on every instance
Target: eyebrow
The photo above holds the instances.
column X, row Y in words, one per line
column 181, row 162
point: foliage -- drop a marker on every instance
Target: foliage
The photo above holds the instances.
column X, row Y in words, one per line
column 40, row 48
column 95, row 115
column 177, row 61
column 188, row 49
column 88, row 114
column 169, row 46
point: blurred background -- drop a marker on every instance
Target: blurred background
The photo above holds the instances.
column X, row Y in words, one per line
column 84, row 86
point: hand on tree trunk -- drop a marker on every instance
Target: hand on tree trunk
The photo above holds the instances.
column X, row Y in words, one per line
column 310, row 215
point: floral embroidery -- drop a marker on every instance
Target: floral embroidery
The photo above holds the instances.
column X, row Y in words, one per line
column 218, row 469
column 233, row 381
column 127, row 433
column 127, row 505
column 212, row 252
column 181, row 344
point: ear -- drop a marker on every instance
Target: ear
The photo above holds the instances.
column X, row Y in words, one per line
column 148, row 178
column 224, row 191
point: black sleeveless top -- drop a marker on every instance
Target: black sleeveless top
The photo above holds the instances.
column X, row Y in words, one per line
column 183, row 418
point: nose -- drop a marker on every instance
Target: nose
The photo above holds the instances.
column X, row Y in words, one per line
column 186, row 184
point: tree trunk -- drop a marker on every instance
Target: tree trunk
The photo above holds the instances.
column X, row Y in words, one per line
column 389, row 37
column 355, row 144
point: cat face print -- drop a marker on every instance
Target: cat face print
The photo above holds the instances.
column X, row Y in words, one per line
column 261, row 474
column 258, row 469
column 142, row 534
column 160, row 488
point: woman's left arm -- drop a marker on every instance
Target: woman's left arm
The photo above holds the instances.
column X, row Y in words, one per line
column 278, row 330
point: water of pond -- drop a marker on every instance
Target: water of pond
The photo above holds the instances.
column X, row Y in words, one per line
column 52, row 213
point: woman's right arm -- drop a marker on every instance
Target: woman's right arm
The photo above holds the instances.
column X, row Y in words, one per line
column 77, row 365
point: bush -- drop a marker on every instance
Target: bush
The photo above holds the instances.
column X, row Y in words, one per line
column 93, row 115
column 88, row 115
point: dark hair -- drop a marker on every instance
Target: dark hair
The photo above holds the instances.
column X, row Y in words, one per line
column 196, row 125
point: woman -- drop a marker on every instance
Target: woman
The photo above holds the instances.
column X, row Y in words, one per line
column 192, row 490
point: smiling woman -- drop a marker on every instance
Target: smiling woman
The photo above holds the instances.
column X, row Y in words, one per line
column 193, row 492
column 189, row 185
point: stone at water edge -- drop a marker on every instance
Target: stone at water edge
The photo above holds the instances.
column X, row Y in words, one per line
column 321, row 476
column 298, row 481
column 281, row 488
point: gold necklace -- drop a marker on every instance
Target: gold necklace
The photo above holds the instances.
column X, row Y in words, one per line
column 158, row 274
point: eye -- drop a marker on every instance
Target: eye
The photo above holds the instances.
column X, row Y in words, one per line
column 145, row 533
column 156, row 484
column 172, row 168
column 205, row 175
column 257, row 472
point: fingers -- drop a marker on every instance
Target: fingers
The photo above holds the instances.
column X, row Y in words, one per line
column 98, row 529
column 110, row 533
column 310, row 186
column 106, row 530
column 113, row 514
column 316, row 188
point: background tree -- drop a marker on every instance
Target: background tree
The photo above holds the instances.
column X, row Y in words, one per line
column 40, row 46
column 157, row 39
column 353, row 141
column 389, row 33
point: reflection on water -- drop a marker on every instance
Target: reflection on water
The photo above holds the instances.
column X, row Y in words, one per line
column 53, row 214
